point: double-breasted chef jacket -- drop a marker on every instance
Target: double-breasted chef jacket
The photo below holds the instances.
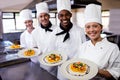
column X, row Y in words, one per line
column 41, row 38
column 26, row 39
column 105, row 54
column 70, row 46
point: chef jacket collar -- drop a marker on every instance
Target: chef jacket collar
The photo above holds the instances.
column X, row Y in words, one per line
column 104, row 40
column 67, row 36
column 47, row 28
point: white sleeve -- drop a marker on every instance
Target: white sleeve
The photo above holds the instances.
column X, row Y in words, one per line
column 77, row 52
column 83, row 37
column 34, row 43
column 114, row 63
column 52, row 42
column 22, row 40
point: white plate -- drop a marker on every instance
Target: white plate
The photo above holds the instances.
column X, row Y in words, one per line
column 43, row 56
column 93, row 70
column 21, row 53
column 8, row 48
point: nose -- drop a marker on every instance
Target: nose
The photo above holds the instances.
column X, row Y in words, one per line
column 43, row 17
column 26, row 23
column 64, row 17
column 91, row 29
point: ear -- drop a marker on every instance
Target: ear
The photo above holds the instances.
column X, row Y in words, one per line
column 70, row 14
column 48, row 15
column 58, row 16
column 101, row 26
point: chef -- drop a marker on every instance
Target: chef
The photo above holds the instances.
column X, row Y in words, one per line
column 99, row 50
column 26, row 37
column 67, row 36
column 42, row 34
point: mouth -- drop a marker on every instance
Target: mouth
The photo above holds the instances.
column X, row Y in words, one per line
column 65, row 22
column 92, row 34
column 45, row 21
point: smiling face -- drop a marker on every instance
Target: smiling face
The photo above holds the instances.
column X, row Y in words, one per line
column 29, row 24
column 44, row 19
column 64, row 17
column 93, row 31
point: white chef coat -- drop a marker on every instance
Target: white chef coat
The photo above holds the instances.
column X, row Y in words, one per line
column 41, row 39
column 70, row 46
column 26, row 39
column 104, row 53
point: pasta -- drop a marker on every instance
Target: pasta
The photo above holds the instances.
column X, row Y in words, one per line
column 29, row 52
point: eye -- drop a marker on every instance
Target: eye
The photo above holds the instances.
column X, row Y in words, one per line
column 95, row 26
column 40, row 16
column 60, row 15
column 67, row 14
column 87, row 27
column 46, row 15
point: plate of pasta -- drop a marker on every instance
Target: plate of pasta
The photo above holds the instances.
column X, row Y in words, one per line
column 79, row 69
column 53, row 58
column 13, row 47
column 28, row 53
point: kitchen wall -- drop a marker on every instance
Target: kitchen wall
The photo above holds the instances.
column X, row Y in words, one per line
column 1, row 27
column 78, row 17
column 114, row 24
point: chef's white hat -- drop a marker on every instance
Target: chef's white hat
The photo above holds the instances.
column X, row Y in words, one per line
column 42, row 7
column 93, row 13
column 63, row 5
column 26, row 14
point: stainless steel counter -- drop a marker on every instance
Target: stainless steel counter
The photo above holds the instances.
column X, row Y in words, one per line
column 13, row 67
column 25, row 71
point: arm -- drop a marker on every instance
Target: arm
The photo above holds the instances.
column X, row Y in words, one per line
column 22, row 40
column 113, row 70
column 34, row 43
column 106, row 74
column 52, row 42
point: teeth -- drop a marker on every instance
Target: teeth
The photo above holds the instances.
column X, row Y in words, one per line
column 64, row 21
column 92, row 34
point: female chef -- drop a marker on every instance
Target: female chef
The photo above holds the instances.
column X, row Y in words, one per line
column 99, row 50
column 26, row 37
